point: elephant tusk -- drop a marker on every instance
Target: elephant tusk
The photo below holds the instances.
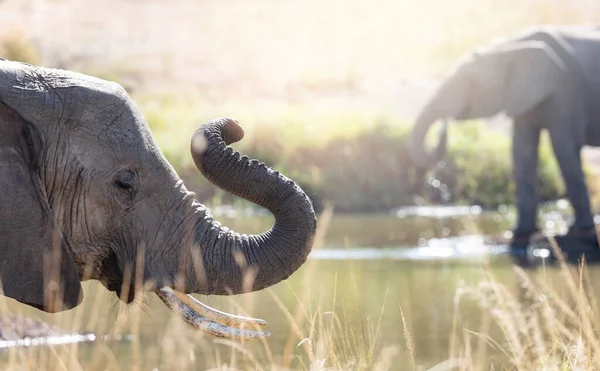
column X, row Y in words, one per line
column 216, row 315
column 173, row 301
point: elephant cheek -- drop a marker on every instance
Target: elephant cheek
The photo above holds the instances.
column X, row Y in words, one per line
column 96, row 223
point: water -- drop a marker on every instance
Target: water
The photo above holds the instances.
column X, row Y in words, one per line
column 369, row 267
column 59, row 340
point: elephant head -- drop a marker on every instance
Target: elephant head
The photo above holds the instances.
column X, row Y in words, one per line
column 512, row 77
column 87, row 194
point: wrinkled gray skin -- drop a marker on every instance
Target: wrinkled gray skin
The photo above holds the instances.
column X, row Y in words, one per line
column 87, row 194
column 543, row 78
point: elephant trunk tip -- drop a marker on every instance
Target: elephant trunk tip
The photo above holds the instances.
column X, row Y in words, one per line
column 228, row 129
column 419, row 155
column 224, row 128
column 419, row 158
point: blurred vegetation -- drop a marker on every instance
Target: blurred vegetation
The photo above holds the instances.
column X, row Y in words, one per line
column 479, row 167
column 357, row 160
column 314, row 119
column 17, row 45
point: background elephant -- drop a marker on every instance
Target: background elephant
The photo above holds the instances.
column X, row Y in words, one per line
column 543, row 78
column 87, row 194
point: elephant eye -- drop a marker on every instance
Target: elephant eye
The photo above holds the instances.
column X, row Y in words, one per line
column 124, row 185
column 125, row 181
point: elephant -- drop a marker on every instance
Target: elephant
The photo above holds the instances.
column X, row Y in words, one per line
column 88, row 195
column 541, row 78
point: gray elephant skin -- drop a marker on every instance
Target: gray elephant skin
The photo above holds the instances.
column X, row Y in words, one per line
column 542, row 78
column 85, row 193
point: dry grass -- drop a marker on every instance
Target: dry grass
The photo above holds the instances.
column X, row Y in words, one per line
column 320, row 340
column 540, row 328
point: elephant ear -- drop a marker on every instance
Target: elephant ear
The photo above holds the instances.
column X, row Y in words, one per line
column 36, row 267
column 534, row 72
column 32, row 91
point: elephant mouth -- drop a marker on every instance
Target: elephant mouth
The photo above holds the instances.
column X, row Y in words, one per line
column 192, row 311
column 209, row 320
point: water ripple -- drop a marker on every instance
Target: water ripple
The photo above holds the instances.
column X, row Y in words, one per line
column 462, row 248
column 60, row 340
column 437, row 211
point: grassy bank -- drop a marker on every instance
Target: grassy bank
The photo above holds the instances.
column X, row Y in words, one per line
column 549, row 322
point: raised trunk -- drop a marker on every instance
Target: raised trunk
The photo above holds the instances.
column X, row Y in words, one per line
column 271, row 256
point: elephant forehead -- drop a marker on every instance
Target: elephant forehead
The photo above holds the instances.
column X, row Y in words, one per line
column 107, row 118
column 122, row 138
column 91, row 103
column 102, row 118
column 129, row 129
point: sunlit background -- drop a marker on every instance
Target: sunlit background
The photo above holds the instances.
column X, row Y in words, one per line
column 405, row 276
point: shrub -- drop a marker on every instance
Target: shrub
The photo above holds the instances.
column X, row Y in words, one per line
column 479, row 167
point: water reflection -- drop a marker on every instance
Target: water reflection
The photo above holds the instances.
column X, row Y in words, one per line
column 405, row 227
column 437, row 211
column 412, row 226
column 61, row 340
column 468, row 248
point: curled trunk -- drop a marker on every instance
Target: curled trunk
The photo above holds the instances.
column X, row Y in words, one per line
column 228, row 256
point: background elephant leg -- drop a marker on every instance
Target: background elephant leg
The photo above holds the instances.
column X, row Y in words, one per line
column 567, row 149
column 525, row 157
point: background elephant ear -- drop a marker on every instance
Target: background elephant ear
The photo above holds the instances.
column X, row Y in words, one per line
column 36, row 267
column 534, row 71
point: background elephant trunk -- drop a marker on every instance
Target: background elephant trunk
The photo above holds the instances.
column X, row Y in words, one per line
column 416, row 145
column 271, row 256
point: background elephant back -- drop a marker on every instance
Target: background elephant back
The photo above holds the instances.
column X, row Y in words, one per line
column 585, row 46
